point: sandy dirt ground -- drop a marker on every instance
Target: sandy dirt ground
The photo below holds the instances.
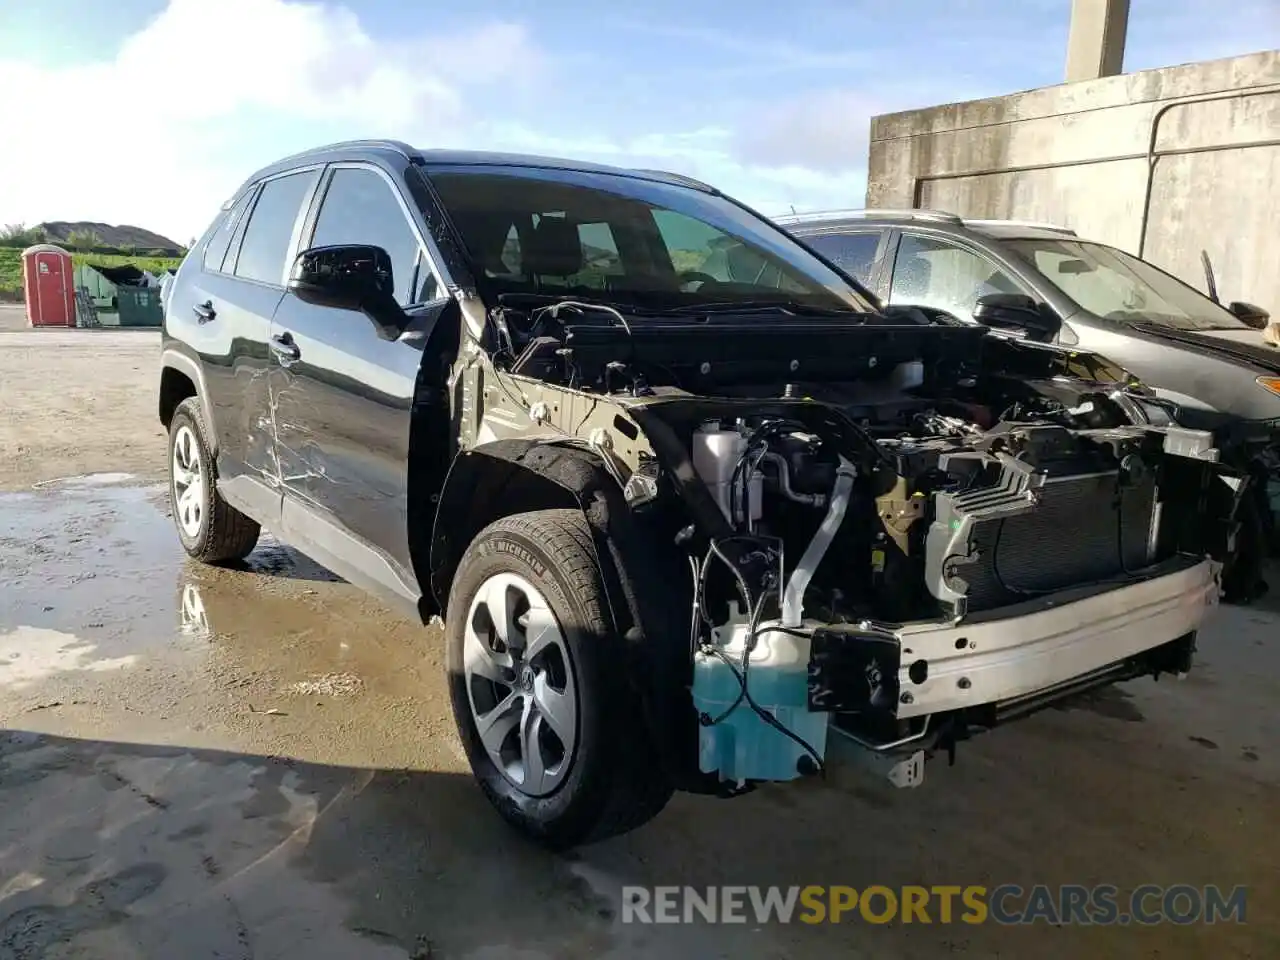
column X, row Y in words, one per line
column 260, row 762
column 70, row 397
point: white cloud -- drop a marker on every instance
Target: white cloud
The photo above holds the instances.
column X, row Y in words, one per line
column 158, row 135
column 154, row 137
column 710, row 154
column 96, row 141
column 305, row 61
column 825, row 131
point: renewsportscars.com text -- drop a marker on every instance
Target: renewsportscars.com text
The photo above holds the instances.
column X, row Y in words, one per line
column 1007, row 904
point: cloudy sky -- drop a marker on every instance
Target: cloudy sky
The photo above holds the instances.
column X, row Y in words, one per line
column 150, row 112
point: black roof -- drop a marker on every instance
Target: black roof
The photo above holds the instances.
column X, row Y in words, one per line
column 395, row 149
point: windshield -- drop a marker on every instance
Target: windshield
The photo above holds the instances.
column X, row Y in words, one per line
column 1116, row 286
column 628, row 241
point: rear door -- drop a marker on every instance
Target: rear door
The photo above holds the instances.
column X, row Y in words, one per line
column 228, row 305
column 343, row 396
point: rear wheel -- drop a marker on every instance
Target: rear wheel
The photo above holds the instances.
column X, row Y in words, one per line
column 551, row 726
column 211, row 530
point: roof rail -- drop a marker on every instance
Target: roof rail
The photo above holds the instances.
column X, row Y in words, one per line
column 1037, row 224
column 677, row 177
column 374, row 143
column 936, row 216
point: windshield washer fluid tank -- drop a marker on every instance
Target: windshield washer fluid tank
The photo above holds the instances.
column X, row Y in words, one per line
column 743, row 746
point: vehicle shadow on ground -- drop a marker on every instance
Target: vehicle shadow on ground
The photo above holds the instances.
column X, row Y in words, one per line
column 1112, row 788
column 1270, row 601
column 124, row 850
column 131, row 850
column 272, row 558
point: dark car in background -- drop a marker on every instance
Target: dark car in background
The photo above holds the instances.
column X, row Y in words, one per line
column 1043, row 283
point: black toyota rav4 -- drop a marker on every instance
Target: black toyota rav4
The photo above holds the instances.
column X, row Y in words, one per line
column 686, row 525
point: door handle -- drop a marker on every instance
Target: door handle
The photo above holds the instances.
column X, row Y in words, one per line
column 204, row 311
column 285, row 349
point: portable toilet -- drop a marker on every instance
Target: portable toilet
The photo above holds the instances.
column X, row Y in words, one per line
column 47, row 281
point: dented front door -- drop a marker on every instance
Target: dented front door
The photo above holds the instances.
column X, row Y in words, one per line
column 343, row 395
column 342, row 400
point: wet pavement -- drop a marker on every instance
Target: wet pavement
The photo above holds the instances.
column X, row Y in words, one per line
column 260, row 762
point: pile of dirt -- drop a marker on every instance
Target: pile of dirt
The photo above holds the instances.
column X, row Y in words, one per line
column 59, row 231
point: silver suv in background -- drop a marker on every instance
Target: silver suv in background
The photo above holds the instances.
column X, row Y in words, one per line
column 1042, row 282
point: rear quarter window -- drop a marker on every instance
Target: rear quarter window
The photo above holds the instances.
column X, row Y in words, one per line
column 854, row 253
column 215, row 251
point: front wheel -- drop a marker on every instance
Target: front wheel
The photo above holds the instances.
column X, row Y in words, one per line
column 537, row 675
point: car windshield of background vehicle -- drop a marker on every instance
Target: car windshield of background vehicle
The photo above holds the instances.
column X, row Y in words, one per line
column 1116, row 286
column 627, row 240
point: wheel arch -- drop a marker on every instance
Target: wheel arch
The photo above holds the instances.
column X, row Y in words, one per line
column 482, row 485
column 645, row 576
column 180, row 379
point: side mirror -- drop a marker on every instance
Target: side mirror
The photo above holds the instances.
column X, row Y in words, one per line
column 1247, row 313
column 350, row 277
column 1017, row 310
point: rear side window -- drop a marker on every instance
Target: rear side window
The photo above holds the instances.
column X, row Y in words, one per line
column 216, row 249
column 270, row 230
column 854, row 253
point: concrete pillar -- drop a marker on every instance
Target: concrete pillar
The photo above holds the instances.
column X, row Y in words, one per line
column 1095, row 45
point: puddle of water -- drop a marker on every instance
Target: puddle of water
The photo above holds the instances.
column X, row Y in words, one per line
column 93, row 578
column 86, row 480
column 95, row 563
column 31, row 654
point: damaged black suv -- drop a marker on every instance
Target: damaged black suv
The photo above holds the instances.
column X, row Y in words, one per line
column 690, row 506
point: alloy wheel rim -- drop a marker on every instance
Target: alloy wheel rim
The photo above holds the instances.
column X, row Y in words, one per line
column 188, row 482
column 520, row 684
column 195, row 620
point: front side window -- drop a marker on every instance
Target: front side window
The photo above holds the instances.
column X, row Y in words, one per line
column 270, row 231
column 359, row 207
column 941, row 275
column 1116, row 286
column 626, row 239
column 854, row 253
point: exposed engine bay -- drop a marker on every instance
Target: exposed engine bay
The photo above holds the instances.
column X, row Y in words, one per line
column 849, row 483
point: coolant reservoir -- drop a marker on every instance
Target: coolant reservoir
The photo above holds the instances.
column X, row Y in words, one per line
column 743, row 745
column 716, row 453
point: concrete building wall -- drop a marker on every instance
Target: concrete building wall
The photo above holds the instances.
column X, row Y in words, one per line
column 1095, row 42
column 1203, row 139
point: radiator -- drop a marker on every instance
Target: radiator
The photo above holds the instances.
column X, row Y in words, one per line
column 996, row 546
